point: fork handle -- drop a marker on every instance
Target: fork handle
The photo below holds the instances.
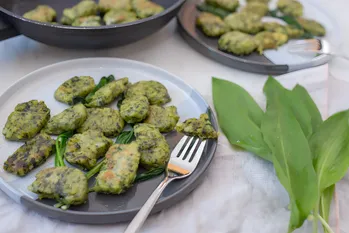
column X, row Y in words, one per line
column 143, row 213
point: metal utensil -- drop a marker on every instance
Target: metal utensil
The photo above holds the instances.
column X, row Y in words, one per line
column 320, row 46
column 184, row 159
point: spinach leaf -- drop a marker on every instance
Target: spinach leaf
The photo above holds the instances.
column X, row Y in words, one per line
column 325, row 203
column 121, row 98
column 330, row 147
column 149, row 174
column 273, row 89
column 239, row 117
column 125, row 137
column 95, row 169
column 213, row 10
column 291, row 156
column 104, row 81
column 61, row 143
column 303, row 98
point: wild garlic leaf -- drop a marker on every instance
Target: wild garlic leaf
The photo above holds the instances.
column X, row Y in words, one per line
column 325, row 203
column 291, row 156
column 305, row 99
column 239, row 117
column 273, row 88
column 330, row 147
column 125, row 137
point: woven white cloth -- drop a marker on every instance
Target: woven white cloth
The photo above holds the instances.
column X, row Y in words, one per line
column 240, row 192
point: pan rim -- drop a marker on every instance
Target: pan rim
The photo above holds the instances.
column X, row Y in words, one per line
column 102, row 27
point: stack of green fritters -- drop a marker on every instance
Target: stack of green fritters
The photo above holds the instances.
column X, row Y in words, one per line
column 243, row 32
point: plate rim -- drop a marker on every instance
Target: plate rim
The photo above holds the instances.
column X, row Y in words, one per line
column 161, row 204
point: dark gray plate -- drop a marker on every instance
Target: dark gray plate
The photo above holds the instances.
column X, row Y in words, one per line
column 101, row 208
column 273, row 62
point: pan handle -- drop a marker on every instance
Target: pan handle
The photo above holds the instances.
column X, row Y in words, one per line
column 7, row 30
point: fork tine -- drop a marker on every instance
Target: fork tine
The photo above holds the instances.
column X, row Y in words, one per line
column 179, row 146
column 181, row 156
column 191, row 152
column 311, row 45
column 198, row 154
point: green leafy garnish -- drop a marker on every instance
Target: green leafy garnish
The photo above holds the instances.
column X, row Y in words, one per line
column 325, row 204
column 125, row 137
column 310, row 156
column 273, row 89
column 149, row 174
column 213, row 10
column 330, row 146
column 291, row 155
column 61, row 143
column 121, row 98
column 239, row 117
column 104, row 81
column 95, row 169
column 303, row 98
column 290, row 20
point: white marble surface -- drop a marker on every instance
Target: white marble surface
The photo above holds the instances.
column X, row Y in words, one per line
column 240, row 193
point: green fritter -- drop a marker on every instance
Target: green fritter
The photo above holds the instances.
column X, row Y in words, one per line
column 30, row 155
column 258, row 8
column 270, row 40
column 134, row 109
column 237, row 43
column 201, row 127
column 107, row 5
column 108, row 93
column 120, row 169
column 66, row 185
column 230, row 5
column 164, row 118
column 87, row 21
column 68, row 120
column 42, row 13
column 85, row 149
column 106, row 120
column 312, row 26
column 83, row 8
column 290, row 30
column 26, row 120
column 211, row 24
column 244, row 22
column 290, row 7
column 75, row 87
column 155, row 92
column 119, row 16
column 261, row 1
column 145, row 8
column 154, row 149
column 274, row 27
column 294, row 32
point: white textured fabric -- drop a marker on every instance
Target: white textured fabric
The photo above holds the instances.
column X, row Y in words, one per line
column 240, row 192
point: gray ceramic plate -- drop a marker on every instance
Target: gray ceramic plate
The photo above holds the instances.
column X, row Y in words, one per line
column 273, row 62
column 100, row 208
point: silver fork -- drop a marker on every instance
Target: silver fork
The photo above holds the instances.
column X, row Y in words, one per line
column 181, row 165
column 320, row 46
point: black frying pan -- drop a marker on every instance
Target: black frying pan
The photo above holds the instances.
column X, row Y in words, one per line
column 12, row 23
